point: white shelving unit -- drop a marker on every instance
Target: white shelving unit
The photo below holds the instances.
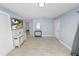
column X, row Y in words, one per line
column 18, row 33
column 18, row 37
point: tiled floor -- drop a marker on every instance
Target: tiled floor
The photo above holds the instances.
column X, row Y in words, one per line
column 45, row 46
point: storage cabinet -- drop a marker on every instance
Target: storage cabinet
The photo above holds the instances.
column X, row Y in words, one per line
column 19, row 37
column 18, row 41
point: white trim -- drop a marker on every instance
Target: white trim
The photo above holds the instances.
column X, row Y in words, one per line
column 2, row 12
column 64, row 44
column 47, row 35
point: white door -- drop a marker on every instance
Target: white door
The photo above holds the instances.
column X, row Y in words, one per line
column 57, row 28
column 6, row 43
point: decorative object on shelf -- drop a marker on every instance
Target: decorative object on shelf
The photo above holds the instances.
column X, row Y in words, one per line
column 16, row 23
column 18, row 26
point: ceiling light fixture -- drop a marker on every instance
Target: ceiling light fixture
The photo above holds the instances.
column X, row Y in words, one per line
column 41, row 4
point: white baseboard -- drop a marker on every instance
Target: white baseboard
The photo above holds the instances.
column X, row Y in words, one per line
column 65, row 44
column 10, row 51
column 47, row 36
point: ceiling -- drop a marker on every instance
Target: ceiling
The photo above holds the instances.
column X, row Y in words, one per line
column 51, row 10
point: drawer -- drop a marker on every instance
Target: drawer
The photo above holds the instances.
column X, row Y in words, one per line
column 16, row 42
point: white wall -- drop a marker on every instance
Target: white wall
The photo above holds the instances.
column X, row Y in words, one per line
column 27, row 25
column 6, row 42
column 46, row 26
column 31, row 27
column 68, row 27
column 11, row 13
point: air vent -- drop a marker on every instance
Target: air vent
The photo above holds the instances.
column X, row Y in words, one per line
column 77, row 11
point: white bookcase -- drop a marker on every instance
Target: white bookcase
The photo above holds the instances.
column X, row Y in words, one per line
column 18, row 37
column 18, row 31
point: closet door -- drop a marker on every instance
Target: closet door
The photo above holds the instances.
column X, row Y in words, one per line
column 6, row 42
column 57, row 28
column 75, row 46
